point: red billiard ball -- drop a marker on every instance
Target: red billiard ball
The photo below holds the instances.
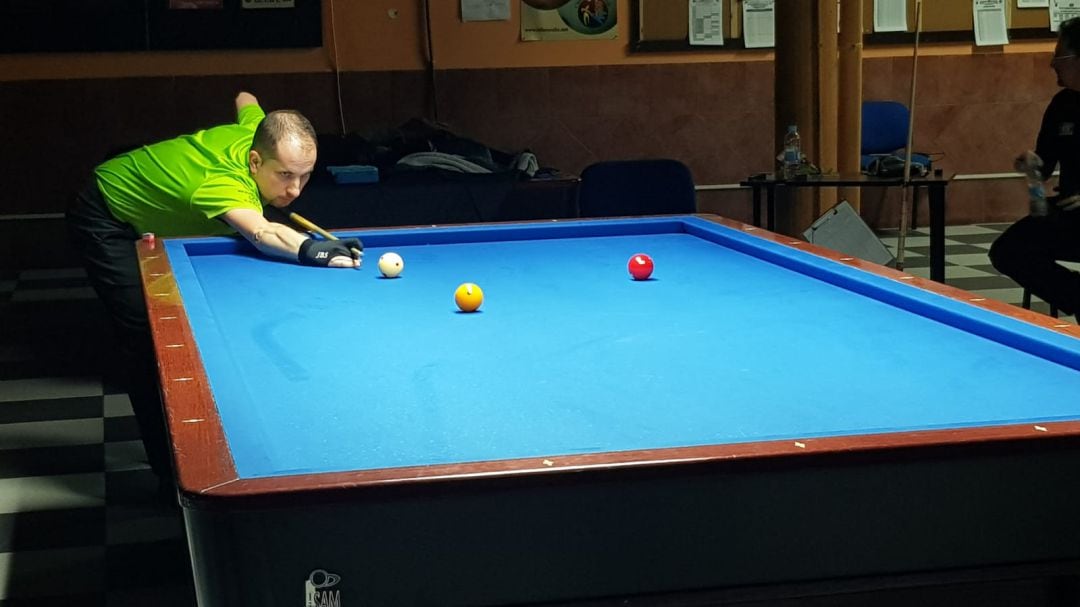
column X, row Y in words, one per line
column 640, row 266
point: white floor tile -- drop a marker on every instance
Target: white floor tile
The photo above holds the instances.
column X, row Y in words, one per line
column 125, row 455
column 60, row 433
column 910, row 241
column 968, row 230
column 49, row 387
column 117, row 405
column 970, row 259
column 31, row 493
column 1010, row 296
column 908, row 254
column 965, row 272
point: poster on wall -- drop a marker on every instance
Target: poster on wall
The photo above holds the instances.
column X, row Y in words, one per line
column 195, row 4
column 268, row 4
column 568, row 19
column 1063, row 10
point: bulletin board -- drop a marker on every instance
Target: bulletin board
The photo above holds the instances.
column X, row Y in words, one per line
column 663, row 25
column 45, row 26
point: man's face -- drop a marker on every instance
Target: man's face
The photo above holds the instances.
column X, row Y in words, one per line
column 282, row 177
column 1067, row 67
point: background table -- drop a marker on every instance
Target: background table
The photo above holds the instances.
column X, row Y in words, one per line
column 934, row 184
column 760, row 412
column 438, row 197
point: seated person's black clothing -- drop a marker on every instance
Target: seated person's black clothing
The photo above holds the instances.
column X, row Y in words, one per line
column 1029, row 251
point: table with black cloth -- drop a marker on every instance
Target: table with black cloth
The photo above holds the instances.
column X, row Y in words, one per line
column 935, row 185
column 424, row 197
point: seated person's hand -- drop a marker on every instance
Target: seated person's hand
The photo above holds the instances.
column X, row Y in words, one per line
column 1069, row 203
column 1029, row 164
column 332, row 253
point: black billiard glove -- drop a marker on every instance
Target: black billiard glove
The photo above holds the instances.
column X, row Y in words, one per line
column 320, row 252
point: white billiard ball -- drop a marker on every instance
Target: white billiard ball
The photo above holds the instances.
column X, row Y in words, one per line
column 391, row 264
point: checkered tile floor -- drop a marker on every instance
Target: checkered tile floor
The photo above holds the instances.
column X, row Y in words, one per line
column 81, row 522
column 80, row 519
column 966, row 263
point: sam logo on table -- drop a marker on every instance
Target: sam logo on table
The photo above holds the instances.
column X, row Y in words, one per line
column 317, row 591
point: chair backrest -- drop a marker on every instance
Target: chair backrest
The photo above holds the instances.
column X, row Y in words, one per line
column 636, row 187
column 884, row 127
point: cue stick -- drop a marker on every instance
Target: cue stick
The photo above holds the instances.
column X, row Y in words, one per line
column 905, row 184
column 311, row 227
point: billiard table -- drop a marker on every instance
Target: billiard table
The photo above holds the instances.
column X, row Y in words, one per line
column 759, row 412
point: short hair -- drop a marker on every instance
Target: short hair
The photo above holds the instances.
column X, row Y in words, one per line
column 1069, row 34
column 281, row 125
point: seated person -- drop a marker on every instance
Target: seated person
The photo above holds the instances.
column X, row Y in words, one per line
column 1029, row 251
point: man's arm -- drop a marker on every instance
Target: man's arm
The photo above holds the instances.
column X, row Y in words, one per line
column 245, row 99
column 281, row 241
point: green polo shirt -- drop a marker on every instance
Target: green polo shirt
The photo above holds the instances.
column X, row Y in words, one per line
column 181, row 186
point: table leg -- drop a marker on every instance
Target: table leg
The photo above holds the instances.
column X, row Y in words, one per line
column 770, row 208
column 937, row 232
column 756, row 195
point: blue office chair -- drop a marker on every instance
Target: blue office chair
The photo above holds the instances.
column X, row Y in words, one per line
column 884, row 137
column 636, row 187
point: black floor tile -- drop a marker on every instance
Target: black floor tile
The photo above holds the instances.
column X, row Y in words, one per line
column 131, row 488
column 160, row 563
column 52, row 409
column 74, row 600
column 165, row 596
column 895, row 232
column 48, row 366
column 979, row 283
column 46, row 461
column 989, row 269
column 111, row 383
column 952, row 249
column 916, row 262
column 121, row 428
column 44, row 284
column 975, row 238
column 52, row 529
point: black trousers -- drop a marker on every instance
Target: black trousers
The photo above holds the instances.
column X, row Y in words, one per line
column 107, row 248
column 1029, row 251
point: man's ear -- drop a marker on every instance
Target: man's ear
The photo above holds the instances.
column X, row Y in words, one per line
column 254, row 161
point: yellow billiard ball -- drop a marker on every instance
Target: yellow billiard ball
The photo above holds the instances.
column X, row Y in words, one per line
column 468, row 297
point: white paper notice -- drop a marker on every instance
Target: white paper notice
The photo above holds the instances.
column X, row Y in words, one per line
column 485, row 10
column 990, row 28
column 1032, row 3
column 759, row 24
column 1062, row 10
column 890, row 15
column 707, row 22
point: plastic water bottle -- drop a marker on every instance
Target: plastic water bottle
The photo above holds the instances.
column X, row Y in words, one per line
column 1030, row 165
column 1037, row 197
column 792, row 154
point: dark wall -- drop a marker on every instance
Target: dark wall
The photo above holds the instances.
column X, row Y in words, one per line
column 977, row 111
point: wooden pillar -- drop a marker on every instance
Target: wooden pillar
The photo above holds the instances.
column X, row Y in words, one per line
column 849, row 139
column 828, row 92
column 796, row 101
